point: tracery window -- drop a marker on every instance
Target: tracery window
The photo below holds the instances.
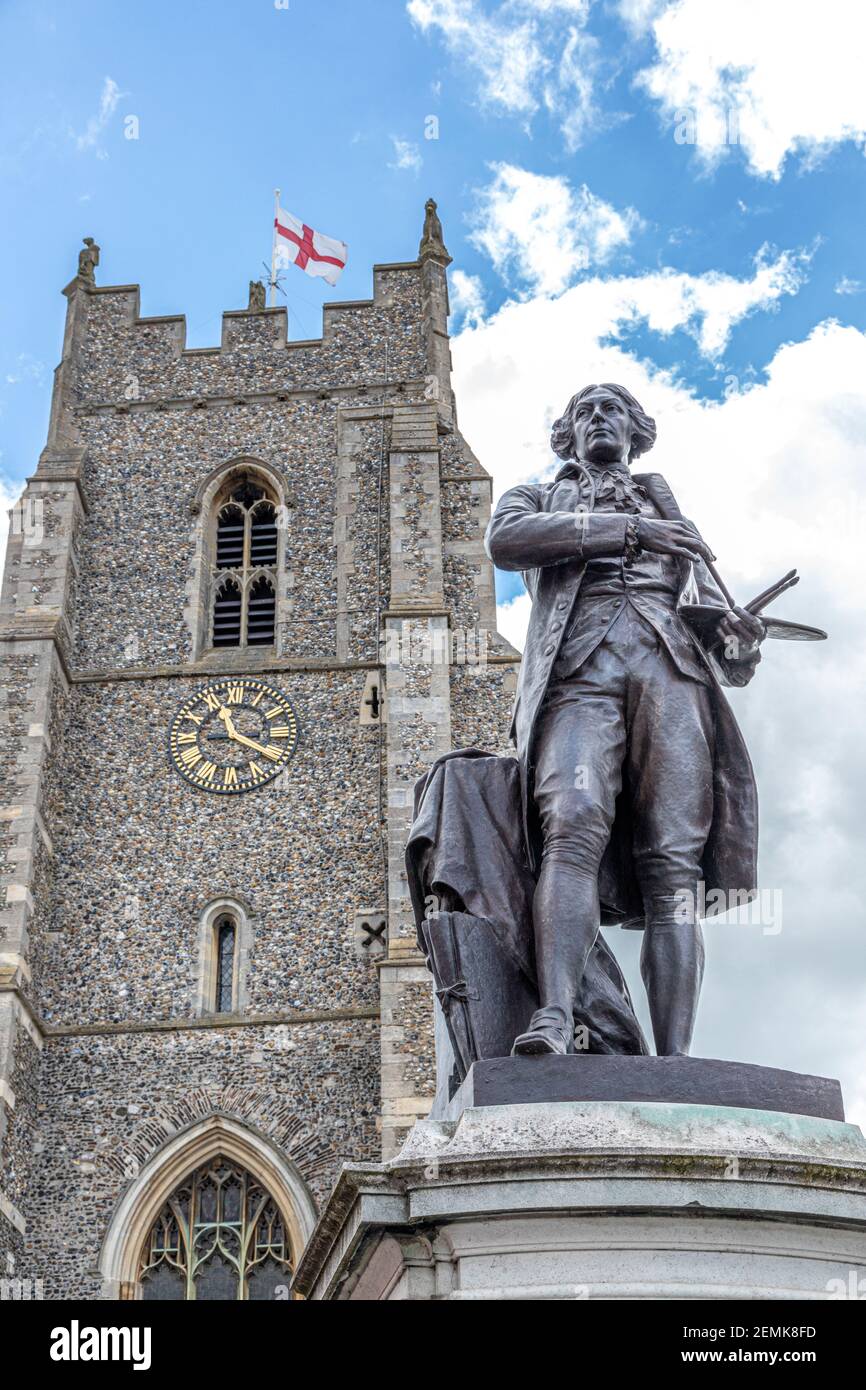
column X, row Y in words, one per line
column 219, row 1237
column 245, row 563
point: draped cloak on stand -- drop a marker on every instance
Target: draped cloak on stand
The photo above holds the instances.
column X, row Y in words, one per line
column 466, row 849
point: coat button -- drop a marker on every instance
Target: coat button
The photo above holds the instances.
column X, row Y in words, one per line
column 548, row 651
column 561, row 607
column 555, row 627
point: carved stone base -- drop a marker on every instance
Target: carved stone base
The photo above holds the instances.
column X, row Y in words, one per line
column 600, row 1200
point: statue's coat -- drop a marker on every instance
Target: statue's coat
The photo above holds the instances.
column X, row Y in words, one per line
column 534, row 529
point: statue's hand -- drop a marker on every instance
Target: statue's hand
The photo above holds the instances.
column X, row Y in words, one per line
column 673, row 538
column 740, row 633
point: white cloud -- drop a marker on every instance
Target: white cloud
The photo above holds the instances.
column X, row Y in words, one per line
column 507, row 59
column 26, row 368
column 512, row 619
column 792, row 74
column 406, row 155
column 571, row 94
column 525, row 54
column 709, row 305
column 639, row 14
column 109, row 97
column 752, row 467
column 538, row 229
column 466, row 296
column 579, row 8
column 848, row 286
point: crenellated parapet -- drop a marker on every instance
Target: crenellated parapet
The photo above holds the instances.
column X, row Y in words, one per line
column 132, row 360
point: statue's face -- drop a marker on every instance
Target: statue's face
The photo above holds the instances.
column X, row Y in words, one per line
column 602, row 428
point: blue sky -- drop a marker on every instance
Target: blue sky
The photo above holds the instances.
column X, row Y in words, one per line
column 721, row 280
column 233, row 99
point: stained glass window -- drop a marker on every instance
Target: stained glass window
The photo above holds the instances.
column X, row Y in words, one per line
column 219, row 1237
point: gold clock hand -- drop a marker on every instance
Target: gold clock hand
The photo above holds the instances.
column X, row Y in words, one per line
column 226, row 719
column 249, row 743
column 239, row 738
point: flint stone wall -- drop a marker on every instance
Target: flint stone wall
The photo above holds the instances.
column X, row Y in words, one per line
column 110, row 1102
column 129, row 855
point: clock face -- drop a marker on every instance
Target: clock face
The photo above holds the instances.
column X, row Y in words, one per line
column 233, row 736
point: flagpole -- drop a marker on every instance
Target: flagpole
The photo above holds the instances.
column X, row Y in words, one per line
column 273, row 286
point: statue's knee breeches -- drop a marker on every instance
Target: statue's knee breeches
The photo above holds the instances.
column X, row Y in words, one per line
column 575, row 830
column 581, row 745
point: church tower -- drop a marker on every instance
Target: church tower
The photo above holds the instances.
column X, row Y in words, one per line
column 245, row 605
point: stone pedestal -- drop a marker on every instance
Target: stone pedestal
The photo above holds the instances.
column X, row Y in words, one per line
column 589, row 1199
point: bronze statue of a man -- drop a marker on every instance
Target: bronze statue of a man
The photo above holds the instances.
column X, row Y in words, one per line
column 637, row 786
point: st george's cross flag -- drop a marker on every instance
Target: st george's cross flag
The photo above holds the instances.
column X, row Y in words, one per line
column 297, row 244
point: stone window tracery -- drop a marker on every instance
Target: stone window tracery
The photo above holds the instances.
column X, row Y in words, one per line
column 245, row 565
column 220, row 1236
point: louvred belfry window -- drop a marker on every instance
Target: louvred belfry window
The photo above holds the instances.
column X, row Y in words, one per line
column 227, row 614
column 219, row 1237
column 245, row 569
column 231, row 524
column 261, row 613
column 263, row 536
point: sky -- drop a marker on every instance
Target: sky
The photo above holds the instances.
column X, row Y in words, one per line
column 664, row 193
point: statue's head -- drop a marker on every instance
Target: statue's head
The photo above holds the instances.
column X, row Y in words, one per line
column 603, row 424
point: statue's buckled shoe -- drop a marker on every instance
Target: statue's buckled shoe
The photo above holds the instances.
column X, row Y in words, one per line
column 549, row 1032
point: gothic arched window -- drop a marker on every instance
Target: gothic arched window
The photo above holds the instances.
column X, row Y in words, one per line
column 225, row 938
column 220, row 1236
column 245, row 565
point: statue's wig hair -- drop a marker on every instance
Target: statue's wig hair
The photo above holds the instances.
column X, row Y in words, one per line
column 643, row 425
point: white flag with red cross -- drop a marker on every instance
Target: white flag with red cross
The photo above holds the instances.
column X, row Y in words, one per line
column 297, row 244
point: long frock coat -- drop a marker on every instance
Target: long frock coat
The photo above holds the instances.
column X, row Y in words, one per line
column 535, row 529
